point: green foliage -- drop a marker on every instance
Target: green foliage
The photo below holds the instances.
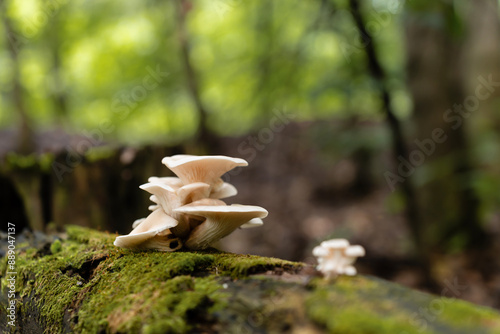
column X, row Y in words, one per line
column 249, row 60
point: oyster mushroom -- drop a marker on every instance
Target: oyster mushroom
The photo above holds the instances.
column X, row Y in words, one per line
column 336, row 257
column 206, row 169
column 170, row 198
column 219, row 221
column 187, row 209
column 152, row 233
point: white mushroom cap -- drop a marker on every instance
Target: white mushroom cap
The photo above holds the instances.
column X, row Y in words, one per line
column 171, row 181
column 156, row 223
column 355, row 251
column 220, row 220
column 137, row 222
column 165, row 195
column 153, row 207
column 193, row 192
column 256, row 222
column 335, row 244
column 206, row 169
column 350, row 271
column 225, row 191
column 206, row 202
column 320, row 251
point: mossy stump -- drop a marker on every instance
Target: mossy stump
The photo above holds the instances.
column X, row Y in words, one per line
column 84, row 284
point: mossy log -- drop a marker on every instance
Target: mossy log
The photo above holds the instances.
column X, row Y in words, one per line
column 83, row 284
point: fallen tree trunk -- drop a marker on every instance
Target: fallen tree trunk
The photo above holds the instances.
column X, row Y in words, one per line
column 85, row 284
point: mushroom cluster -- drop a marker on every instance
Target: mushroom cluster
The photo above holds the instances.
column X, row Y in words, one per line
column 187, row 210
column 336, row 257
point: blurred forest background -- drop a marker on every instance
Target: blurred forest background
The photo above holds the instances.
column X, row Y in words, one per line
column 373, row 120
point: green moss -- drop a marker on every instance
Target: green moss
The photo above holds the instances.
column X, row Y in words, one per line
column 360, row 305
column 88, row 285
column 56, row 246
column 89, row 236
column 110, row 288
column 244, row 265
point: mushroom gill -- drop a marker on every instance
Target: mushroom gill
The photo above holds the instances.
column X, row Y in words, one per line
column 220, row 220
column 206, row 169
column 153, row 229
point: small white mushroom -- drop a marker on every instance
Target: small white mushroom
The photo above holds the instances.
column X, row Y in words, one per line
column 152, row 233
column 206, row 169
column 220, row 220
column 336, row 257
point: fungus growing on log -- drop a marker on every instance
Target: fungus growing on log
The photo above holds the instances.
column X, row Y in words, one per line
column 187, row 210
column 336, row 257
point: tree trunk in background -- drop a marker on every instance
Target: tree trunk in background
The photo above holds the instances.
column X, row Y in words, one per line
column 448, row 204
column 59, row 91
column 398, row 140
column 483, row 60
